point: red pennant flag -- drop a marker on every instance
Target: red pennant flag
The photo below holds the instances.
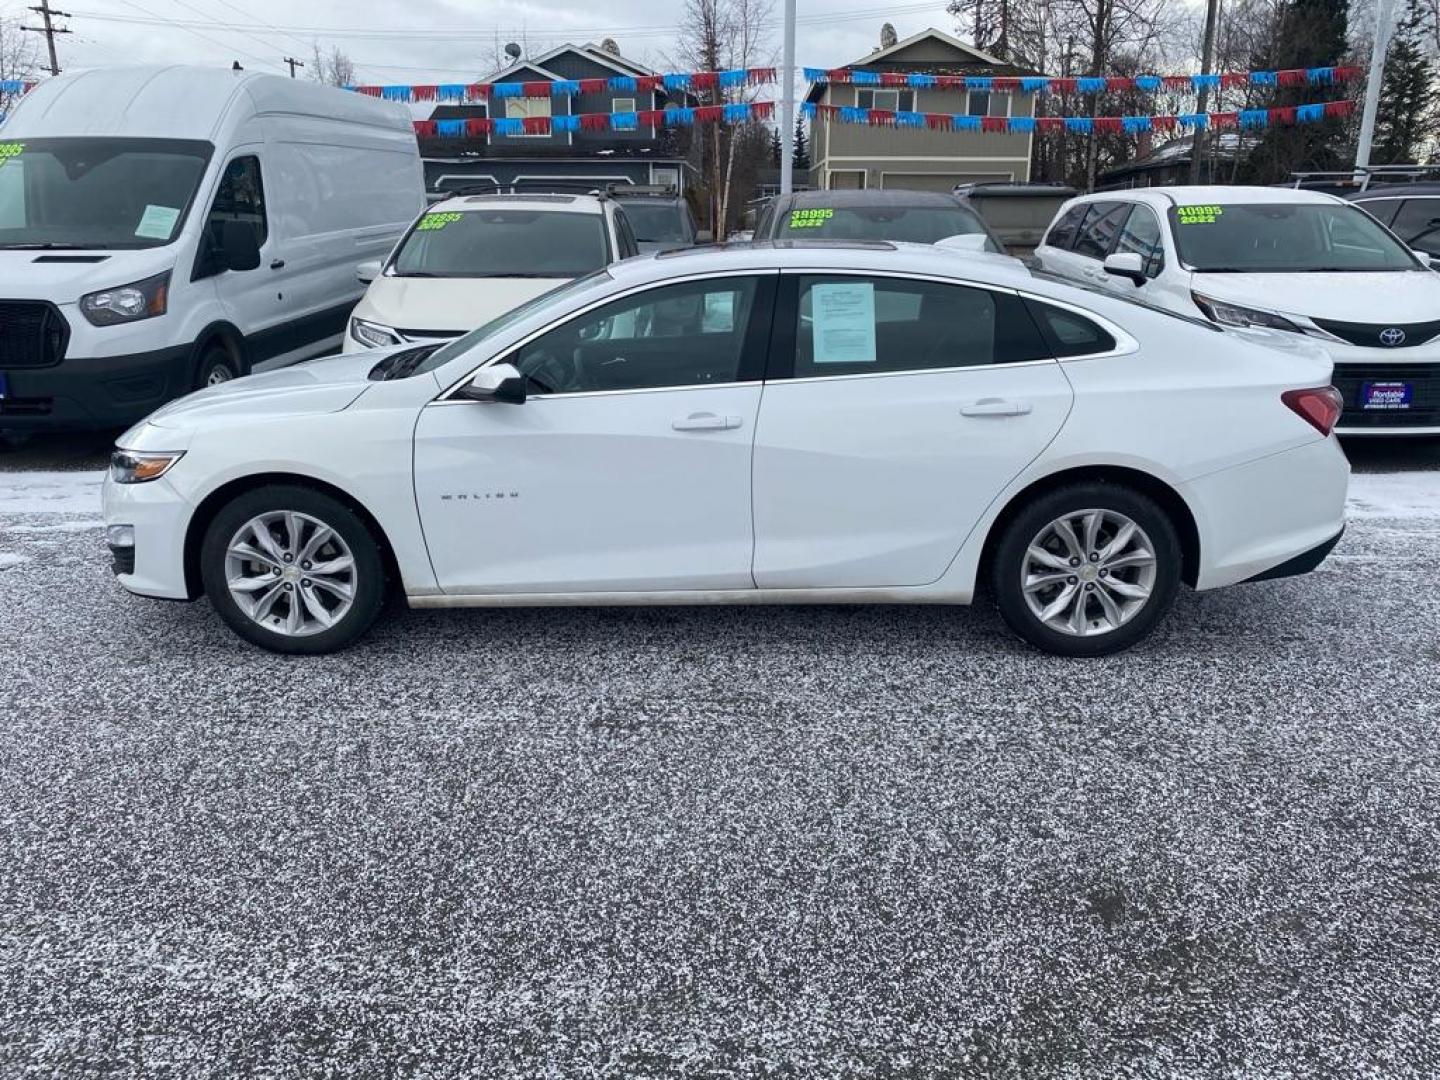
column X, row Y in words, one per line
column 1234, row 80
column 994, row 124
column 1108, row 125
column 535, row 89
column 894, row 78
column 537, row 125
column 939, row 121
column 477, row 91
column 1291, row 77
column 762, row 75
column 705, row 80
column 424, row 93
column 425, row 129
column 1119, row 83
column 369, row 91
column 1063, row 86
column 594, row 86
column 652, row 117
column 1339, row 108
column 649, row 83
column 1176, row 82
column 1164, row 124
column 762, row 110
column 1224, row 119
column 838, row 75
column 709, row 114
column 1283, row 114
column 882, row 117
column 950, row 82
column 1345, row 74
column 479, row 125
column 594, row 121
column 1050, row 123
column 1006, row 82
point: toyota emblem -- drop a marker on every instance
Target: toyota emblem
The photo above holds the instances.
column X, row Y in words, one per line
column 1392, row 337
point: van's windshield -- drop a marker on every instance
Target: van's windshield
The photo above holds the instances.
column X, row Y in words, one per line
column 98, row 192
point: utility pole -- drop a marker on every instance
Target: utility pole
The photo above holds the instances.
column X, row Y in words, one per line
column 293, row 64
column 1384, row 26
column 45, row 12
column 787, row 105
column 1202, row 105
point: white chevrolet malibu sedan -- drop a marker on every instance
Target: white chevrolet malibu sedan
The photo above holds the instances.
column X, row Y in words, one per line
column 797, row 423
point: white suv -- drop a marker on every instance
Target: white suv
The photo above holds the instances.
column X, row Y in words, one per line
column 1292, row 263
column 467, row 259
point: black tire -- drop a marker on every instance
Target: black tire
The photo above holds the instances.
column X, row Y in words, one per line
column 1010, row 563
column 216, row 366
column 367, row 582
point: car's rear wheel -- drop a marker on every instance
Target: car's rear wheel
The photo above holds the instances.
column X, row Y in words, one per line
column 293, row 570
column 1087, row 570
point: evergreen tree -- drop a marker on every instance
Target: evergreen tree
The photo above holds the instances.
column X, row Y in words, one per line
column 1405, row 122
column 800, row 162
column 777, row 147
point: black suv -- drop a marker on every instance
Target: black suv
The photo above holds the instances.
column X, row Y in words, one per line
column 661, row 219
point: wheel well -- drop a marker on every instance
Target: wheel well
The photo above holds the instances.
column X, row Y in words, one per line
column 217, row 499
column 228, row 338
column 1166, row 496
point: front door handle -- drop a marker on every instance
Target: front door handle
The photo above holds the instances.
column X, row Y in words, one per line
column 994, row 406
column 704, row 421
column 277, row 264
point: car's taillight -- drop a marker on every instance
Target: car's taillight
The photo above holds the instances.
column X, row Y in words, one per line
column 1319, row 406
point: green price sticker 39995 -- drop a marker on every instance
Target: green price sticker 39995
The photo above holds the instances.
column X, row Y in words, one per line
column 431, row 222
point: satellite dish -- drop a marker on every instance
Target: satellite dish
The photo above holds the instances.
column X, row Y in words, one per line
column 513, row 51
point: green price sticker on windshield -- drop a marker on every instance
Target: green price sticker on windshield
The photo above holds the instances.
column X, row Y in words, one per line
column 10, row 150
column 810, row 219
column 431, row 222
column 1199, row 215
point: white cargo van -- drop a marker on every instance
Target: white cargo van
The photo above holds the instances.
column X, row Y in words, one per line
column 167, row 228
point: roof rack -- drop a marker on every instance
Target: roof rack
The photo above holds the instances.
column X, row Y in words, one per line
column 1361, row 176
column 617, row 188
column 528, row 187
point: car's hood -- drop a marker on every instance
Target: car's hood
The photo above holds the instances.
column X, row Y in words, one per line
column 1400, row 296
column 63, row 276
column 317, row 386
column 450, row 304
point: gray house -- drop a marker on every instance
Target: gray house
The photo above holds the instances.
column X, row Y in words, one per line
column 857, row 156
column 645, row 155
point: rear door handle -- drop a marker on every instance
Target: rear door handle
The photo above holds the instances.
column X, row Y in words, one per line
column 277, row 264
column 705, row 421
column 994, row 406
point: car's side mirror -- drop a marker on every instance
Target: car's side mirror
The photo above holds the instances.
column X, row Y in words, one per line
column 498, row 382
column 1424, row 257
column 1126, row 264
column 239, row 246
column 368, row 271
column 704, row 236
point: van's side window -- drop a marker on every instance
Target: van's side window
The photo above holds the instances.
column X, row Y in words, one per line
column 241, row 197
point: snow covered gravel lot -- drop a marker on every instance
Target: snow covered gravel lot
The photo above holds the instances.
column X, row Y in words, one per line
column 715, row 843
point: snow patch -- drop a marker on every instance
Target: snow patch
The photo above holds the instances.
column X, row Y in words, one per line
column 8, row 559
column 50, row 493
column 1400, row 495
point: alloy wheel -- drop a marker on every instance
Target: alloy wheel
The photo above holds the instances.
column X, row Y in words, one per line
column 1088, row 573
column 290, row 573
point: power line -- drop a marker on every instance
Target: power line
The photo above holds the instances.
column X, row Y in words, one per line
column 49, row 30
column 157, row 20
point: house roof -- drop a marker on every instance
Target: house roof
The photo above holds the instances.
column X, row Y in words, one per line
column 938, row 35
column 968, row 58
column 519, row 66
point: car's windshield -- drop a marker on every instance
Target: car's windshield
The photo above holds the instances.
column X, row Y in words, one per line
column 503, row 243
column 915, row 224
column 1284, row 238
column 656, row 222
column 97, row 192
column 465, row 343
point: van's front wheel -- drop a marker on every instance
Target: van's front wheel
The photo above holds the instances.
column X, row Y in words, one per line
column 216, row 366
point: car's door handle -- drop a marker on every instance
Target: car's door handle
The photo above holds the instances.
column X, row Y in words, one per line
column 994, row 406
column 277, row 264
column 705, row 421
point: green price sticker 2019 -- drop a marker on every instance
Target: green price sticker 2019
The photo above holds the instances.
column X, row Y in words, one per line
column 1198, row 215
column 810, row 219
column 431, row 222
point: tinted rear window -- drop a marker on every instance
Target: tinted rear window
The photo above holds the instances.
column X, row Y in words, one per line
column 503, row 243
column 657, row 222
column 913, row 224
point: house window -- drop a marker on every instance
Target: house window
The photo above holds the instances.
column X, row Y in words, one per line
column 520, row 108
column 891, row 100
column 623, row 104
column 981, row 103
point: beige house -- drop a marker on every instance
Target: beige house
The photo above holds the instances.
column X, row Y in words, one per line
column 859, row 156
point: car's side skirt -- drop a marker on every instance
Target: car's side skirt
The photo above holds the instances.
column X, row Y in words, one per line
column 674, row 597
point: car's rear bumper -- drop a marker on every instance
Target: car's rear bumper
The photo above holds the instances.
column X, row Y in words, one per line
column 1302, row 563
column 1414, row 410
column 94, row 393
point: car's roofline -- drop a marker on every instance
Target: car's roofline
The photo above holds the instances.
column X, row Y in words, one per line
column 564, row 204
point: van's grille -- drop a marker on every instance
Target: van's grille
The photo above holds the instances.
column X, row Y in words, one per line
column 32, row 334
column 1424, row 404
column 1369, row 334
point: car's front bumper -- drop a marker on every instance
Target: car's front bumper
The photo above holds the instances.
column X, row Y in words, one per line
column 159, row 516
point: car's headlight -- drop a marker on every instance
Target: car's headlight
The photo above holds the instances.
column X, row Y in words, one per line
column 373, row 334
column 128, row 303
column 1228, row 314
column 132, row 467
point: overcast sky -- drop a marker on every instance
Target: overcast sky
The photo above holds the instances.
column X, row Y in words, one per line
column 420, row 41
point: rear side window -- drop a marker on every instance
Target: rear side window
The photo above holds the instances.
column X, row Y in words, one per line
column 862, row 325
column 1062, row 233
column 1418, row 224
column 1069, row 334
column 1099, row 229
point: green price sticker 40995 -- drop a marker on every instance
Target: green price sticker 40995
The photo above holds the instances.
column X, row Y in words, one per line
column 1198, row 215
column 431, row 222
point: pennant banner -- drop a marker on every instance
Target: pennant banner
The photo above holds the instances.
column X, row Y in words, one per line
column 1081, row 125
column 1046, row 84
column 482, row 91
column 480, row 127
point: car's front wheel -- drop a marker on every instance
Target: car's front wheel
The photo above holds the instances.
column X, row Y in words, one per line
column 1087, row 570
column 293, row 570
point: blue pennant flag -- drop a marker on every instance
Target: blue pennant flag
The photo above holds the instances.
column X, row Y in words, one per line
column 1133, row 125
column 1254, row 118
column 681, row 117
column 920, row 82
column 565, row 87
column 1091, row 84
column 910, row 119
column 731, row 80
column 395, row 93
column 1319, row 75
column 737, row 113
column 1194, row 120
column 451, row 92
column 1149, row 83
column 1035, row 84
column 1309, row 114
column 507, row 90
column 851, row 115
column 1205, row 82
column 450, row 129
column 564, row 123
column 624, row 121
column 1081, row 124
column 984, row 84
column 1264, row 78
column 623, row 82
column 865, row 78
column 808, row 110
column 965, row 123
column 1023, row 125
column 506, row 126
column 677, row 81
column 816, row 75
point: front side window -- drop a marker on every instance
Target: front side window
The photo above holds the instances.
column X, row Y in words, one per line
column 915, row 224
column 1418, row 224
column 240, row 197
column 1260, row 238
column 1141, row 236
column 503, row 243
column 860, row 325
column 1099, row 229
column 97, row 192
column 690, row 334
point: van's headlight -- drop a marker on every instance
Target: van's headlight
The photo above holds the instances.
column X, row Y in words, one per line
column 128, row 303
column 131, row 467
column 373, row 334
column 1228, row 314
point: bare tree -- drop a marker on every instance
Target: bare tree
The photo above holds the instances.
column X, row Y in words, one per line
column 888, row 37
column 19, row 57
column 333, row 69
